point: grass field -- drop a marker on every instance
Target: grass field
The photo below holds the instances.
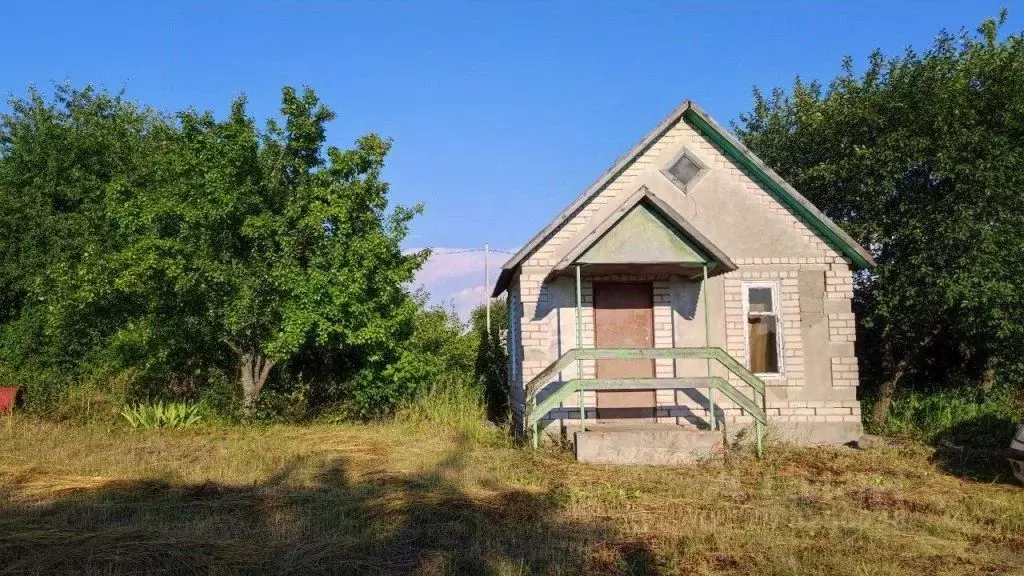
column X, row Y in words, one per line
column 410, row 498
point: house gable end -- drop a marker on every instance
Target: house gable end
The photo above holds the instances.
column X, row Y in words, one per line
column 779, row 188
column 633, row 169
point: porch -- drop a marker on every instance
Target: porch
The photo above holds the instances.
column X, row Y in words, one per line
column 628, row 350
column 555, row 392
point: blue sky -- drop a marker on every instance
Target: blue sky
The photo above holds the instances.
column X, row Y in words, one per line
column 501, row 112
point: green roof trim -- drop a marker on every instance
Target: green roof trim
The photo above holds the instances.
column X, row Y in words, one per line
column 801, row 206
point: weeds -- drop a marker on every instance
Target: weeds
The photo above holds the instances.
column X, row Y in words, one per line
column 964, row 417
column 162, row 415
column 453, row 405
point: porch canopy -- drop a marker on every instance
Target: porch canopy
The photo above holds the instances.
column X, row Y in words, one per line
column 645, row 235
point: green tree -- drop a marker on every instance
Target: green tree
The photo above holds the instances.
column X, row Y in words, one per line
column 268, row 241
column 491, row 367
column 58, row 159
column 138, row 241
column 921, row 159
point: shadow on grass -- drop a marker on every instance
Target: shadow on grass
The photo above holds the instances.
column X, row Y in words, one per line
column 989, row 465
column 977, row 449
column 376, row 523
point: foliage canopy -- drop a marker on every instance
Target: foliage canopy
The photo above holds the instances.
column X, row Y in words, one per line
column 174, row 247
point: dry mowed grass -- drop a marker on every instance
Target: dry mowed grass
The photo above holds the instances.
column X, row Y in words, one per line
column 403, row 498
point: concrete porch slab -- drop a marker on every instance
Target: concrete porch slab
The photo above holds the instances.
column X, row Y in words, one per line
column 649, row 444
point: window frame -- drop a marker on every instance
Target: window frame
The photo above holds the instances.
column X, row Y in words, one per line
column 777, row 313
column 666, row 169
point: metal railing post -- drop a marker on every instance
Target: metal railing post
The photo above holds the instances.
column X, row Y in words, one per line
column 759, row 431
column 707, row 342
column 579, row 344
column 760, row 426
column 535, row 440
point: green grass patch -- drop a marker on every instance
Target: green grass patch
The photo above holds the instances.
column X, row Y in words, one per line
column 455, row 405
column 964, row 417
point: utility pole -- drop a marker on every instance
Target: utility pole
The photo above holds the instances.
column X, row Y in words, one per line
column 487, row 287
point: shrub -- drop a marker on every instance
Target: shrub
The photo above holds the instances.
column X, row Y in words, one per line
column 162, row 415
column 281, row 405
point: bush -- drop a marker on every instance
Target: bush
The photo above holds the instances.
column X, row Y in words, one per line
column 491, row 368
column 162, row 415
column 439, row 352
column 282, row 405
column 965, row 417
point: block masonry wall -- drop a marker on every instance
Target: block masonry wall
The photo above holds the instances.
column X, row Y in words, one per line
column 814, row 286
column 791, row 398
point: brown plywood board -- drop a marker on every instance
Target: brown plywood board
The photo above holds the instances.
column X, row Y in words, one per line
column 624, row 318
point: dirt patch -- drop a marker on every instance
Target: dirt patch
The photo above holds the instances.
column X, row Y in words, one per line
column 875, row 499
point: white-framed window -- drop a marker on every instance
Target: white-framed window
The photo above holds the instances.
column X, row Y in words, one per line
column 762, row 329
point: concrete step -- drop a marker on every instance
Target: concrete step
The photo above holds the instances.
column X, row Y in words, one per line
column 653, row 445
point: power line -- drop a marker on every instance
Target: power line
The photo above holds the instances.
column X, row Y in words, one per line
column 472, row 250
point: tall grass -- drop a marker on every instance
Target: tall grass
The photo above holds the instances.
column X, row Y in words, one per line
column 453, row 404
column 965, row 417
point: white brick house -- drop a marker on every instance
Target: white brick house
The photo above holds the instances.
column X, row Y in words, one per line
column 689, row 243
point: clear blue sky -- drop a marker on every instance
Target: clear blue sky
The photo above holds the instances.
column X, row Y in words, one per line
column 501, row 112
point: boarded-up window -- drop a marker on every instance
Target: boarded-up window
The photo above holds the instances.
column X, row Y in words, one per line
column 684, row 170
column 762, row 330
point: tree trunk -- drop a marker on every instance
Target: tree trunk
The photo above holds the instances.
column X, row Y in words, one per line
column 988, row 377
column 254, row 369
column 885, row 394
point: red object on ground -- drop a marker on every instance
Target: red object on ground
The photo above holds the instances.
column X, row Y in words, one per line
column 7, row 396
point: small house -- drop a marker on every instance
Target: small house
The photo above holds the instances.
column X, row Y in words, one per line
column 688, row 292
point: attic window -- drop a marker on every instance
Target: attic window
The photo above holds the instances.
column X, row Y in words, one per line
column 685, row 170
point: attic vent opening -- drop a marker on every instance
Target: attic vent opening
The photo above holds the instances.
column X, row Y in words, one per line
column 685, row 170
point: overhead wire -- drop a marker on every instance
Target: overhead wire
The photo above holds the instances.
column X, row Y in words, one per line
column 473, row 250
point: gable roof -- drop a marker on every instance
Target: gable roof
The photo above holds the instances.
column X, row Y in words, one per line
column 718, row 262
column 738, row 153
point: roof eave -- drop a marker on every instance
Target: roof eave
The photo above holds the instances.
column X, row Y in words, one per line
column 786, row 193
column 623, row 161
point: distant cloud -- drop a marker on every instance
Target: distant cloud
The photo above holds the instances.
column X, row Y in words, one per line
column 455, row 276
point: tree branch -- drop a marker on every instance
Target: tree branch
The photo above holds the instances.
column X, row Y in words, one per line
column 234, row 348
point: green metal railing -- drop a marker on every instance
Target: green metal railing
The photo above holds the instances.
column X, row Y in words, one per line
column 754, row 406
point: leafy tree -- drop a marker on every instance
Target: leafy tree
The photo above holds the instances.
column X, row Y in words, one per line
column 269, row 241
column 137, row 241
column 920, row 158
column 58, row 158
